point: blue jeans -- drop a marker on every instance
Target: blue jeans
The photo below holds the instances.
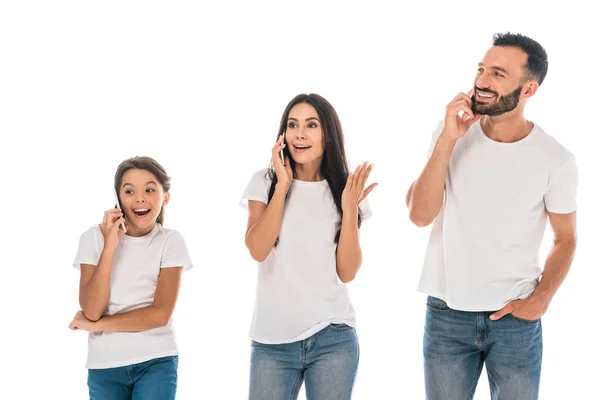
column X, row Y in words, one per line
column 456, row 345
column 327, row 361
column 149, row 380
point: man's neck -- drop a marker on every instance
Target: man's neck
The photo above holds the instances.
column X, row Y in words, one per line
column 506, row 128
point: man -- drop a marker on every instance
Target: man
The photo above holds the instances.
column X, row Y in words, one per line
column 491, row 182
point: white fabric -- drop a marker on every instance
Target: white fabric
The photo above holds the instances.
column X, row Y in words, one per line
column 484, row 244
column 298, row 291
column 136, row 265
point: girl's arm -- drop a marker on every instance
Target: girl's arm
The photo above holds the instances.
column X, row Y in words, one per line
column 94, row 284
column 142, row 319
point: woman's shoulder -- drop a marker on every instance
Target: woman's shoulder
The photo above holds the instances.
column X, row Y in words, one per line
column 263, row 174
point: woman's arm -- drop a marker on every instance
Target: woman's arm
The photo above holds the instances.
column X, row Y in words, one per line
column 349, row 254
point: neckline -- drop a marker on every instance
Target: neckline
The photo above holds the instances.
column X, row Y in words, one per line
column 307, row 183
column 138, row 239
column 496, row 143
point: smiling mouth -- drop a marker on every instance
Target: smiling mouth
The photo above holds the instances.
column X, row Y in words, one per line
column 301, row 148
column 485, row 95
column 140, row 212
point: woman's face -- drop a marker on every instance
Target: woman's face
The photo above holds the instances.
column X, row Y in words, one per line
column 304, row 134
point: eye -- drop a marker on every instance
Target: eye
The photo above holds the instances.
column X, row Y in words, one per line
column 479, row 70
column 128, row 191
column 498, row 74
column 313, row 125
column 150, row 190
column 292, row 125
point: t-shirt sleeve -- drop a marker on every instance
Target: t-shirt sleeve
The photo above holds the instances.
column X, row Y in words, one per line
column 434, row 137
column 89, row 249
column 175, row 253
column 257, row 189
column 365, row 208
column 561, row 196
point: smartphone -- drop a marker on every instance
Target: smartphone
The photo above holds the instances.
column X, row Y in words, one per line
column 473, row 103
column 118, row 205
column 281, row 151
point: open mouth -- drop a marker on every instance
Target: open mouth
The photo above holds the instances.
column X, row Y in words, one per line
column 141, row 212
column 301, row 148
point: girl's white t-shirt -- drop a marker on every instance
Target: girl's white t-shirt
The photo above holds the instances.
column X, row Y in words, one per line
column 136, row 265
column 298, row 291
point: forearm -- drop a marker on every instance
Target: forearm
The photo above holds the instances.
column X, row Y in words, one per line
column 261, row 237
column 141, row 319
column 556, row 268
column 427, row 193
column 94, row 295
column 349, row 254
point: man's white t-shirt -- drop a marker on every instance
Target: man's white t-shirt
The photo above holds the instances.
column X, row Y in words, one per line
column 484, row 244
column 298, row 291
column 136, row 265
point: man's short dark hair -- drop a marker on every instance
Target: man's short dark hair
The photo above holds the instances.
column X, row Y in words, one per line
column 537, row 59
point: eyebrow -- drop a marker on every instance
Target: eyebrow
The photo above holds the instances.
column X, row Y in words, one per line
column 147, row 183
column 495, row 68
column 307, row 119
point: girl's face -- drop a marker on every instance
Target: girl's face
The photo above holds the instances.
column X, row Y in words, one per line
column 304, row 135
column 142, row 198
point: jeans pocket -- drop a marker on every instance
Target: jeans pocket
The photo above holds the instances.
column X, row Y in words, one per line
column 437, row 305
column 527, row 321
column 340, row 327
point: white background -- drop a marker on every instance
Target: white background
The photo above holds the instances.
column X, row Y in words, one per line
column 201, row 88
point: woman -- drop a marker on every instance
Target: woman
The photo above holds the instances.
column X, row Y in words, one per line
column 304, row 215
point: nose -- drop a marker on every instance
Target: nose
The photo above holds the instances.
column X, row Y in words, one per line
column 140, row 198
column 482, row 82
column 300, row 134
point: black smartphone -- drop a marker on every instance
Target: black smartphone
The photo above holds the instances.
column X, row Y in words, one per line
column 281, row 151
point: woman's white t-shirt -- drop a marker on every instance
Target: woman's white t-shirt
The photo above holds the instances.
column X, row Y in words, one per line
column 136, row 265
column 298, row 291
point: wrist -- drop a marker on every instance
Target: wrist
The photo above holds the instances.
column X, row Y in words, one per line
column 108, row 250
column 447, row 139
column 97, row 326
column 350, row 213
column 281, row 189
column 542, row 297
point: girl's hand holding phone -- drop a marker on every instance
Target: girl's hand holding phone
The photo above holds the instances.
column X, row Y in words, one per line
column 282, row 167
column 110, row 227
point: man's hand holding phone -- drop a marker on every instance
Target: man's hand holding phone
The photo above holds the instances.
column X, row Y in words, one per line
column 460, row 115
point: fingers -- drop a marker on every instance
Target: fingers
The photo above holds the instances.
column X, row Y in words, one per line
column 276, row 152
column 507, row 309
column 350, row 181
column 117, row 222
column 368, row 190
column 288, row 166
column 361, row 174
column 111, row 215
column 364, row 175
column 461, row 106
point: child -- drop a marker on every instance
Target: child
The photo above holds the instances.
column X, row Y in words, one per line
column 128, row 289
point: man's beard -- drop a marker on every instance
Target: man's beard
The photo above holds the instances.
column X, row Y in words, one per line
column 500, row 106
